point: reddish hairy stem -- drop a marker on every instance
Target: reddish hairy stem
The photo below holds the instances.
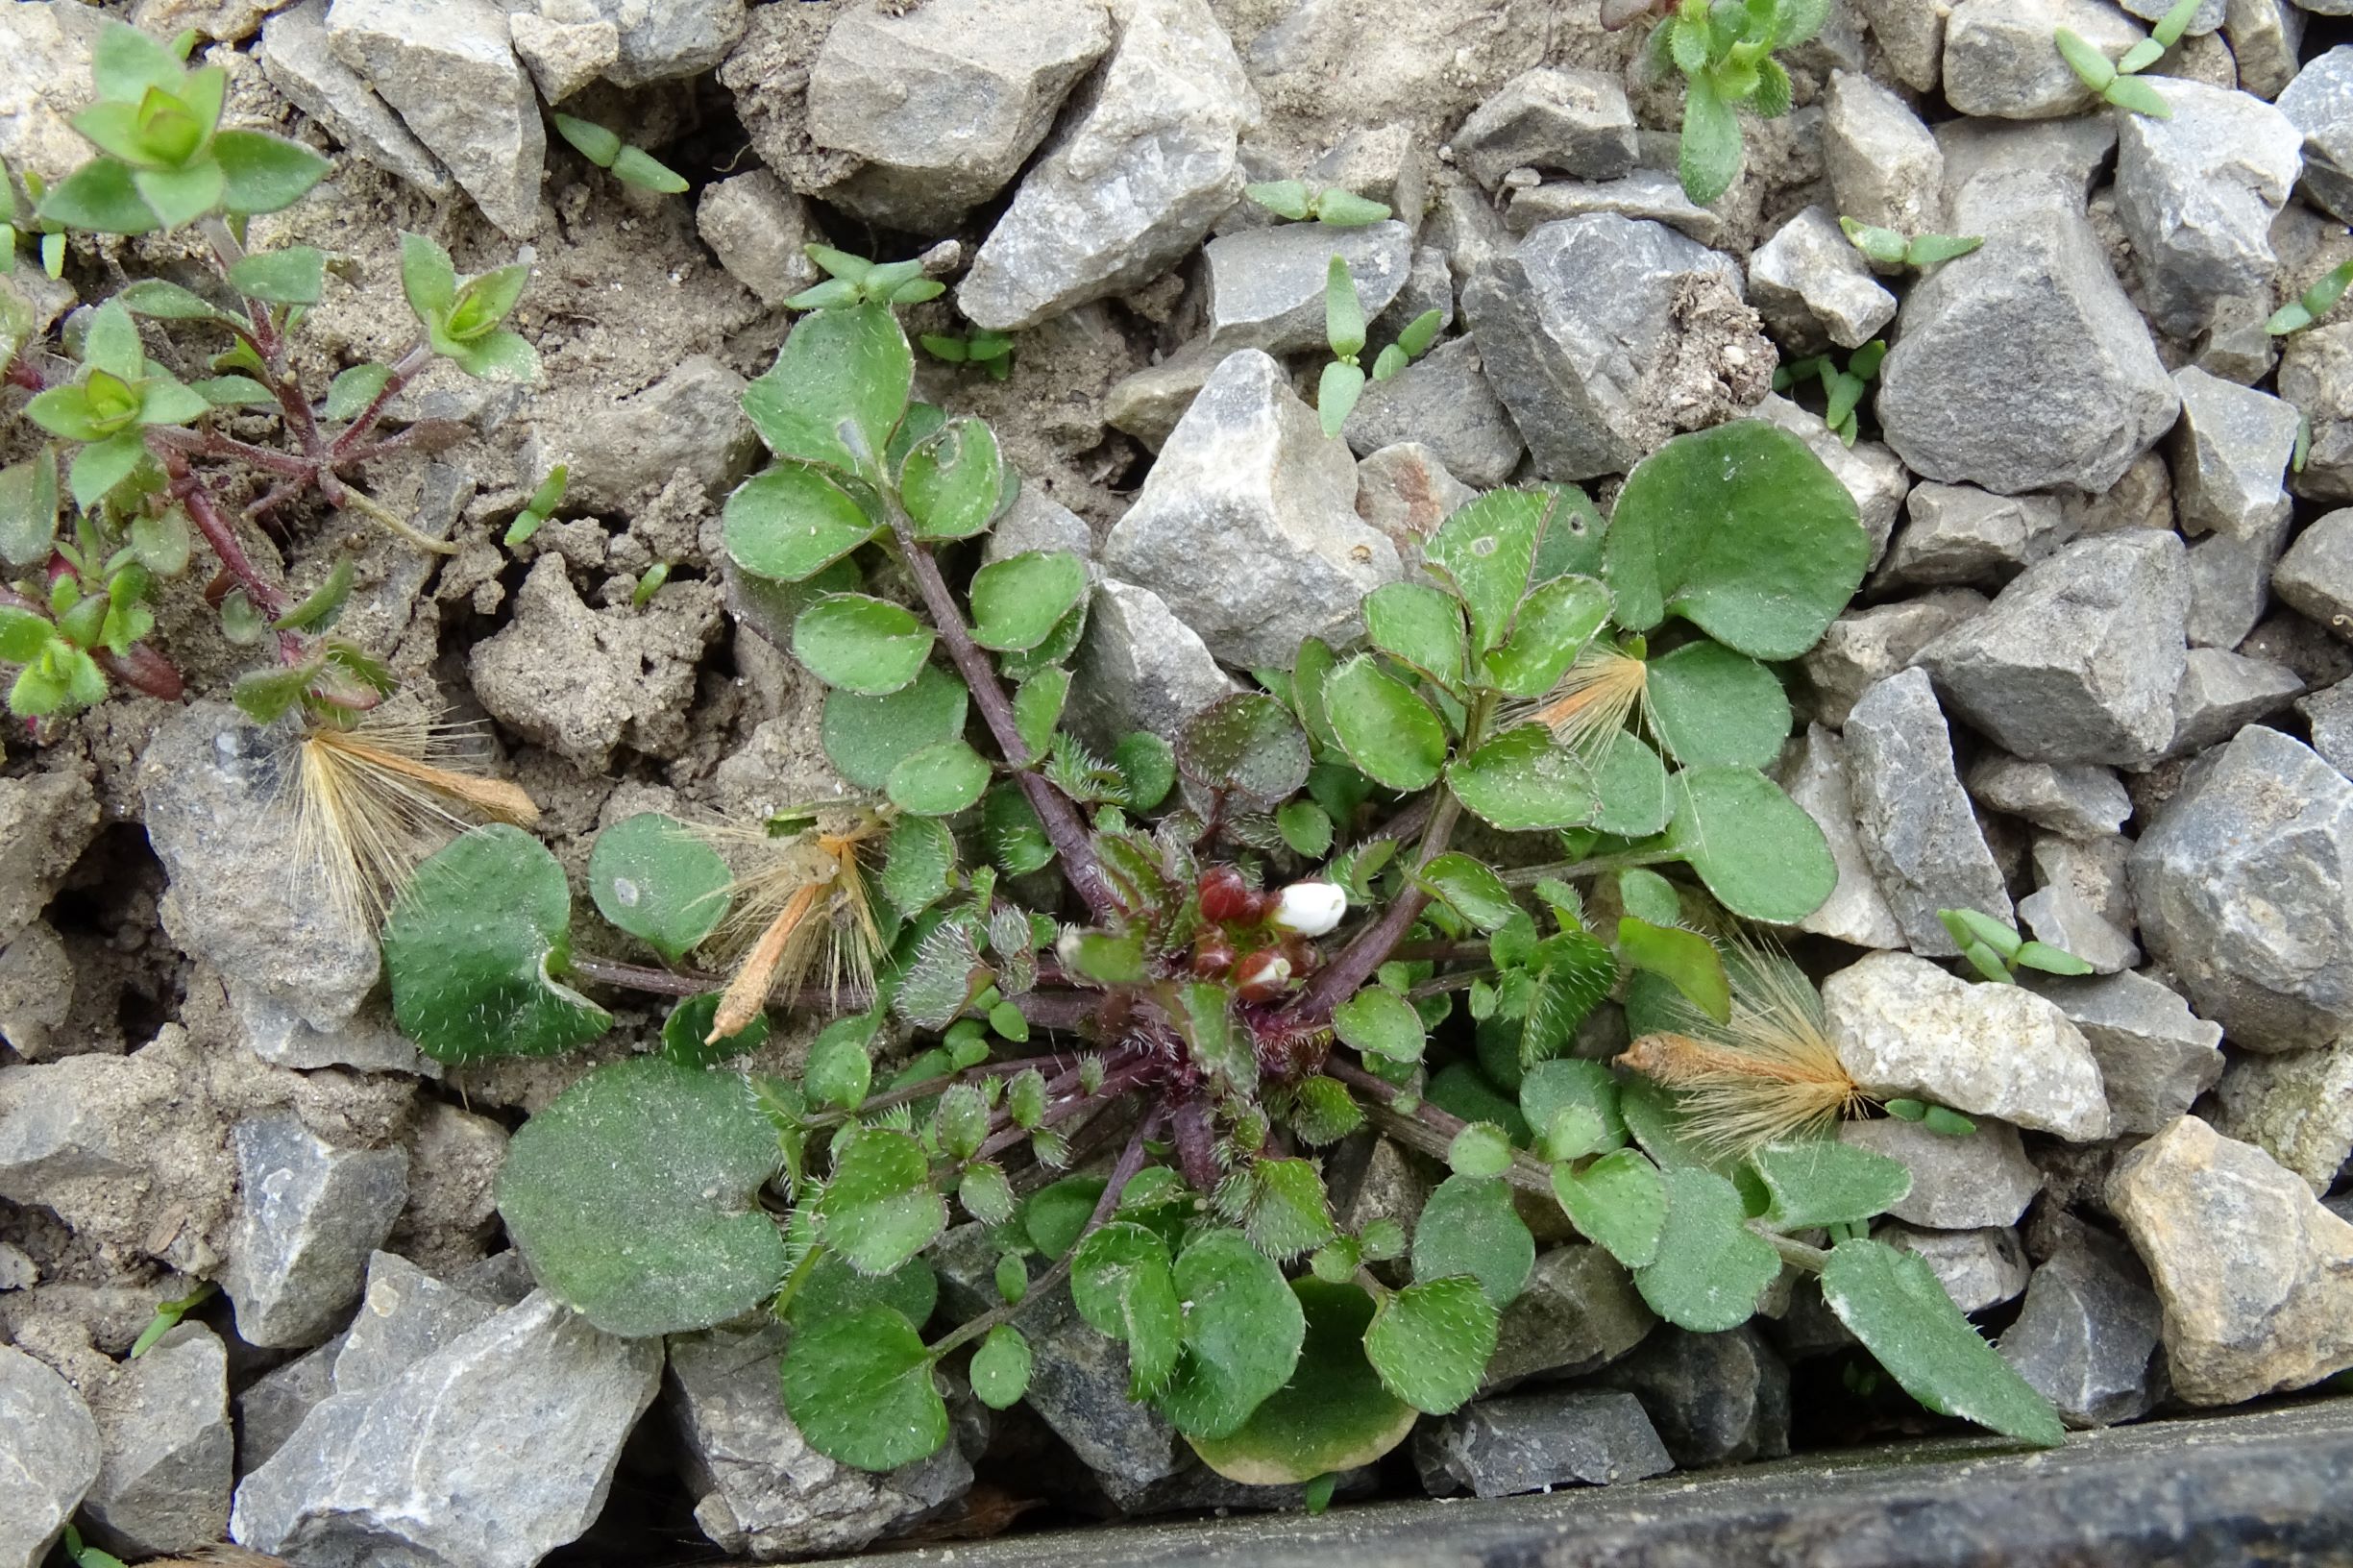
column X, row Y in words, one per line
column 404, row 371
column 1428, row 1128
column 191, row 490
column 1114, row 1084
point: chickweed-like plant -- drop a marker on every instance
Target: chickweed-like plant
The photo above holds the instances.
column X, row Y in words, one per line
column 1724, row 49
column 2312, row 303
column 1088, row 1010
column 1329, row 206
column 625, row 162
column 138, row 463
column 2119, row 81
column 1343, row 380
column 1996, row 951
column 1889, row 248
column 1842, row 390
column 984, row 347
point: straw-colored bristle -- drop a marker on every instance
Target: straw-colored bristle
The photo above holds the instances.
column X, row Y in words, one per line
column 1593, row 701
column 1767, row 1074
column 802, row 905
column 372, row 802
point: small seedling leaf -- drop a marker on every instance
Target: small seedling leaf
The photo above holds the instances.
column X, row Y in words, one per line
column 953, row 480
column 845, row 370
column 938, row 781
column 1379, row 1022
column 879, row 1208
column 1001, row 1368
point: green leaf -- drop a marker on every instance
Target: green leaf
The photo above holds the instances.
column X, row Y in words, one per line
column 635, row 166
column 1419, row 626
column 1246, row 743
column 1469, row 887
column 1711, row 1270
column 1522, row 780
column 1337, row 208
column 1001, row 1368
column 1017, row 601
column 1310, row 666
column 879, row 1208
column 866, row 737
column 1333, row 1416
column 125, row 63
column 163, row 400
column 500, row 357
column 473, row 951
column 953, row 482
column 653, row 878
column 1105, row 1266
column 789, row 522
column 1619, row 1202
column 1650, row 896
column 100, row 196
column 1757, row 851
column 1555, row 624
column 686, row 1033
column 861, row 644
column 101, row 466
column 1568, row 973
column 23, row 635
column 1709, row 159
column 2043, row 956
column 2139, row 95
column 633, row 1197
column 1741, row 530
column 155, row 298
column 1337, row 392
column 1379, row 1022
column 29, row 509
column 591, row 141
column 1036, row 707
column 1632, row 785
column 354, row 389
column 1283, row 198
column 1825, row 1182
column 1486, row 549
column 1420, row 333
column 1306, row 827
column 1895, row 1305
column 1712, row 705
column 1479, row 1149
column 1929, row 249
column 1431, row 1343
column 1017, row 840
column 265, row 173
column 859, row 1386
column 940, row 780
column 1343, row 313
column 1684, row 959
column 2087, row 61
column 294, row 275
column 1385, row 726
column 1242, row 1333
column 1469, row 1227
column 842, row 377
column 1586, row 1091
column 1289, row 1211
column 234, row 392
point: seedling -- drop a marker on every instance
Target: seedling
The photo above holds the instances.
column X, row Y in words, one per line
column 1996, row 951
column 2119, row 81
column 1842, row 390
column 540, row 507
column 631, row 164
column 83, row 1555
column 20, row 215
column 1329, row 206
column 2312, row 305
column 1936, row 1119
column 982, row 346
column 1725, row 53
column 853, row 279
column 1343, row 380
column 168, row 1315
column 1890, row 249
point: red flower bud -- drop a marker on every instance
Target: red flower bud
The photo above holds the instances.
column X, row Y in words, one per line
column 1213, row 955
column 1227, row 899
column 1262, row 975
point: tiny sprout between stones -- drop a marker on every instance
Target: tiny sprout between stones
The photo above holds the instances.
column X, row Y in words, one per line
column 2119, row 81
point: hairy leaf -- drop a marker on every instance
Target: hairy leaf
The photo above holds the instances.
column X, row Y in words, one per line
column 1333, row 1414
column 1431, row 1343
column 653, row 878
column 1895, row 1305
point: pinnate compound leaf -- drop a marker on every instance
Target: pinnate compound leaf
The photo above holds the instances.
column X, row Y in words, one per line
column 1469, row 1227
column 474, row 947
column 790, row 522
column 653, row 878
column 860, row 644
column 1243, row 1332
column 1431, row 1343
column 1756, row 849
column 633, row 1198
column 1001, row 1368
column 1895, row 1305
column 1017, row 602
column 859, row 1386
column 1712, row 705
column 1386, row 727
column 866, row 737
column 1825, row 1182
column 1247, row 743
column 1523, row 780
column 840, row 373
column 1333, row 1414
column 1741, row 530
column 1711, row 1270
column 879, row 1208
column 1619, row 1202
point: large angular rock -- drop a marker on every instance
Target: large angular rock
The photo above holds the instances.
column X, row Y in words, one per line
column 49, row 1454
column 2316, row 374
column 2319, row 103
column 1814, row 771
column 1978, row 1269
column 1536, row 1442
column 756, row 226
column 1863, row 648
column 1643, row 193
column 1958, row 1183
column 761, row 1490
column 1140, row 668
column 2242, row 885
column 2086, row 1338
column 563, row 57
column 1604, row 336
column 2078, row 659
column 1884, row 166
column 1903, row 1026
column 2221, row 693
column 2197, row 194
column 2298, row 1108
column 46, row 820
column 1147, row 163
column 1247, row 525
column 1266, row 286
column 2316, row 574
column 522, row 1416
column 309, row 1214
column 2329, row 712
column 2073, row 801
column 405, row 1315
column 690, row 422
column 1568, row 122
column 1912, row 33
column 303, row 65
column 666, row 40
column 1579, row 1311
column 2155, row 1056
column 2023, row 365
column 450, row 69
column 1814, row 289
column 1712, row 1397
column 2256, row 1277
column 1442, row 401
column 1999, row 62
column 2075, row 151
column 2061, row 917
column 169, row 1457
column 1870, row 470
column 944, row 101
column 2230, row 456
column 1920, row 837
column 1957, row 534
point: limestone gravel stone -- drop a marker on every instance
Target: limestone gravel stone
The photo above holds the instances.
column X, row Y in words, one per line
column 2319, row 101
column 1265, row 287
column 2078, row 659
column 2023, row 365
column 1814, row 289
column 303, row 65
column 1958, row 1183
column 1883, row 165
column 1911, row 32
column 2315, row 575
column 1814, row 771
column 2072, row 799
column 1406, row 493
column 1145, row 163
column 1864, row 646
column 49, row 1455
column 1905, row 1026
column 2196, row 193
column 941, row 103
column 2086, row 1339
column 1147, row 403
column 2329, row 712
column 1536, row 1442
column 2316, row 374
column 1570, row 122
column 1639, row 193
column 1870, row 470
column 1919, row 838
column 2241, row 883
column 47, row 82
column 563, row 57
column 2155, row 1056
column 2221, row 693
column 1712, row 1397
column 1978, row 1269
column 450, row 70
column 1444, row 402
column 2229, row 457
column 1140, row 668
column 2297, row 1107
column 2267, row 40
column 1248, row 477
column 169, row 1460
column 2255, row 1275
column 757, row 225
column 2061, row 918
column 1999, row 61
column 308, row 1215
column 1956, row 534
column 2075, row 151
column 1579, row 1311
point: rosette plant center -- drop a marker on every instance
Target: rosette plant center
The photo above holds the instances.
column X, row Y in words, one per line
column 1082, row 1012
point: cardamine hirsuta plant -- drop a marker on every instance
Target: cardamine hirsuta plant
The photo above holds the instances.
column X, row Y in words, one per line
column 1108, row 1005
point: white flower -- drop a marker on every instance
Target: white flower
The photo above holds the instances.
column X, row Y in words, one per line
column 1310, row 908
